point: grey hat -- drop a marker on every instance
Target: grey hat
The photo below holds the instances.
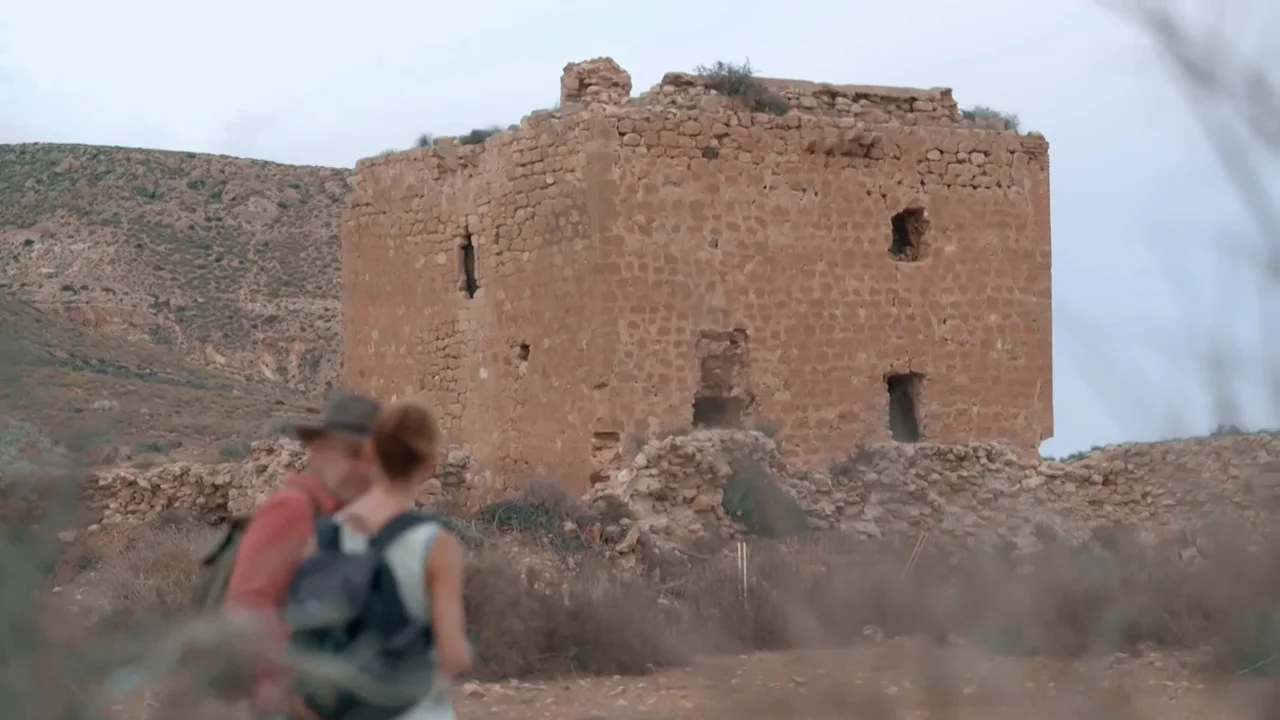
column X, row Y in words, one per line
column 344, row 414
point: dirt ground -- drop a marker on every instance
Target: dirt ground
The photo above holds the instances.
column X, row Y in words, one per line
column 884, row 680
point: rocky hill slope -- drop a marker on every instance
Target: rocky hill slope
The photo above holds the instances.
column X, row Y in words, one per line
column 61, row 381
column 229, row 263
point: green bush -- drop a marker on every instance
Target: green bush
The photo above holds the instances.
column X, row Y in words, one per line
column 753, row 497
column 739, row 82
column 982, row 112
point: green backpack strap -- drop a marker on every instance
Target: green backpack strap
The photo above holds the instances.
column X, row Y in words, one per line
column 214, row 574
column 227, row 678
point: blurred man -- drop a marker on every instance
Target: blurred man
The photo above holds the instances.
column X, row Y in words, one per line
column 281, row 529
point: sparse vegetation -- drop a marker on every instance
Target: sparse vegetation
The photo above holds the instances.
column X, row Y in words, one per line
column 195, row 232
column 982, row 112
column 739, row 82
column 572, row 610
column 476, row 137
column 479, row 135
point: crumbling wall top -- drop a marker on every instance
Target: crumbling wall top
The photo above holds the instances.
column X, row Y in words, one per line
column 600, row 80
column 869, row 103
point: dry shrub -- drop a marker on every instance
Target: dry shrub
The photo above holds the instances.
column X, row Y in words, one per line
column 816, row 594
column 736, row 616
column 591, row 619
column 510, row 617
column 575, row 611
column 616, row 624
column 1068, row 599
column 150, row 569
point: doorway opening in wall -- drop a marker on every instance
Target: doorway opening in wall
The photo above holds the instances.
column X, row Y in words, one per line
column 724, row 395
column 606, row 456
column 467, row 259
column 718, row 412
column 908, row 230
column 904, row 405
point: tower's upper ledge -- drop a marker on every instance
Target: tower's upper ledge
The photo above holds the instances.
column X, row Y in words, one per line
column 602, row 81
column 601, row 86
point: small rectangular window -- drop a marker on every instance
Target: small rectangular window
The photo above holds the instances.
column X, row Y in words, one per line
column 467, row 256
column 904, row 407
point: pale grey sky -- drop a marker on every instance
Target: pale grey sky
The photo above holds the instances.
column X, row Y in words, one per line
column 1150, row 244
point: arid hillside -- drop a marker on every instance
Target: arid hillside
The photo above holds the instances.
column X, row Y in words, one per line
column 232, row 264
column 61, row 382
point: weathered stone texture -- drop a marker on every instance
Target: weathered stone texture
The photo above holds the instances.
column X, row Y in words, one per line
column 617, row 243
column 214, row 492
column 674, row 489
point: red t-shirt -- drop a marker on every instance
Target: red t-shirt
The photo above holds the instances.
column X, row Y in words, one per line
column 273, row 545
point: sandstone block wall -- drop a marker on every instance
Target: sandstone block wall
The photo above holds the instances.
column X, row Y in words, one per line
column 625, row 266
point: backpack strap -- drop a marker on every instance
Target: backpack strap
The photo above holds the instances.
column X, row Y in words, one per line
column 328, row 534
column 397, row 526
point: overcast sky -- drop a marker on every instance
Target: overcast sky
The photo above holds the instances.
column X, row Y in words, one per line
column 1151, row 246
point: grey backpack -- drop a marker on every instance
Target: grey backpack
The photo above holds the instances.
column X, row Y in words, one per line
column 346, row 606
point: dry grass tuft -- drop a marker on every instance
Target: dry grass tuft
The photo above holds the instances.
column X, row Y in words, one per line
column 149, row 570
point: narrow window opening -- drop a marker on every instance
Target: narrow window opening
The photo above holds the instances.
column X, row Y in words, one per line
column 904, row 406
column 467, row 252
column 909, row 229
column 723, row 398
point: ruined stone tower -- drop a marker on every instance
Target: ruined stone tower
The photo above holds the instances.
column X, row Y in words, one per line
column 848, row 264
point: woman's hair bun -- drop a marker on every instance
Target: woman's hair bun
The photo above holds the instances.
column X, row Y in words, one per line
column 404, row 437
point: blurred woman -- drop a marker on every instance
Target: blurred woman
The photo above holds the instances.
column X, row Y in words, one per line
column 426, row 560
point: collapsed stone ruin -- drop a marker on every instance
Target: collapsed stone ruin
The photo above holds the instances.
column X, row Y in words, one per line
column 734, row 484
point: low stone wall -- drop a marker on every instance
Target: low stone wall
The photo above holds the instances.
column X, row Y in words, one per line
column 214, row 492
column 674, row 490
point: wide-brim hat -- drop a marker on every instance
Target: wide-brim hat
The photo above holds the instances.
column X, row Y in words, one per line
column 346, row 414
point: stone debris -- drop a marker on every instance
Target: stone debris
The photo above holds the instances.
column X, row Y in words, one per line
column 673, row 491
column 214, row 492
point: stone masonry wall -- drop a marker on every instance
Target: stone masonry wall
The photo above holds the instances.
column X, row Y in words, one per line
column 635, row 255
column 507, row 366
